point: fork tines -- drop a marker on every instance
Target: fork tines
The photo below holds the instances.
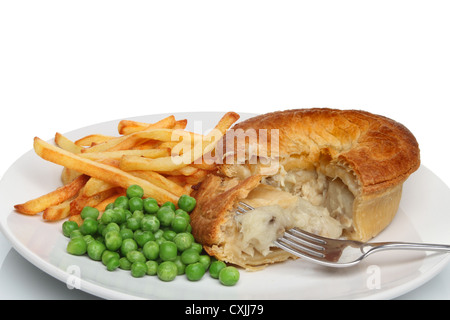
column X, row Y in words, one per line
column 302, row 244
column 243, row 208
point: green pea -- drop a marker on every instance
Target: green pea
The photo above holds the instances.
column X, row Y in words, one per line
column 167, row 271
column 113, row 264
column 161, row 240
column 88, row 238
column 89, row 226
column 179, row 224
column 77, row 246
column 229, row 276
column 107, row 216
column 133, row 224
column 183, row 241
column 150, row 223
column 112, row 226
column 95, row 250
column 138, row 215
column 196, row 246
column 215, row 268
column 190, row 256
column 136, row 203
column 150, row 205
column 181, row 267
column 100, row 239
column 119, row 215
column 170, row 205
column 184, row 214
column 138, row 269
column 113, row 240
column 186, row 203
column 205, row 260
column 151, row 250
column 127, row 246
column 165, row 216
column 101, row 226
column 135, row 191
column 89, row 212
column 124, row 263
column 168, row 251
column 135, row 256
column 121, row 201
column 142, row 237
column 158, row 234
column 69, row 226
column 169, row 235
column 126, row 233
column 108, row 255
column 75, row 234
column 195, row 271
column 152, row 267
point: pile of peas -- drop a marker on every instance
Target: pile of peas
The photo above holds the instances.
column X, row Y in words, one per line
column 136, row 234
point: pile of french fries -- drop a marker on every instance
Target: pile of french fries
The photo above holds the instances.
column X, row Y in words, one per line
column 162, row 157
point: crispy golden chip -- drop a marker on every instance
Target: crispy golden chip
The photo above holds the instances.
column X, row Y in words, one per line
column 102, row 205
column 126, row 127
column 101, row 171
column 77, row 218
column 92, row 139
column 66, row 144
column 161, row 157
column 160, row 181
column 83, row 200
column 57, row 212
column 68, row 175
column 117, row 155
column 55, row 197
column 175, row 162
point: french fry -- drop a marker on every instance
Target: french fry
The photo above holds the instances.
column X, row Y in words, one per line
column 205, row 166
column 147, row 144
column 55, row 197
column 197, row 177
column 162, row 157
column 77, row 218
column 101, row 171
column 95, row 186
column 102, row 205
column 68, row 175
column 180, row 124
column 92, row 139
column 117, row 155
column 128, row 141
column 134, row 139
column 126, row 127
column 57, row 212
column 165, row 164
column 185, row 171
column 66, row 144
column 159, row 180
column 83, row 200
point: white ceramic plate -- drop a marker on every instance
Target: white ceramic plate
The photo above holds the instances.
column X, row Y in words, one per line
column 423, row 216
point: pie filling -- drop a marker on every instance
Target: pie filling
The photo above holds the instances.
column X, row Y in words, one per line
column 306, row 199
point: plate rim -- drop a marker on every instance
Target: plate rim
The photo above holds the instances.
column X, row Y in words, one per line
column 107, row 293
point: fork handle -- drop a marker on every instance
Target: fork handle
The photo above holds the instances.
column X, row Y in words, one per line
column 382, row 246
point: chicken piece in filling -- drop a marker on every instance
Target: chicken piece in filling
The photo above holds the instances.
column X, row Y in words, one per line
column 306, row 199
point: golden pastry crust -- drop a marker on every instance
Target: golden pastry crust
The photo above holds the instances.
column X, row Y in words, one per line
column 371, row 154
column 380, row 151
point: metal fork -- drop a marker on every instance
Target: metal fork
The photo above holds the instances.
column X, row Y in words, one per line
column 337, row 252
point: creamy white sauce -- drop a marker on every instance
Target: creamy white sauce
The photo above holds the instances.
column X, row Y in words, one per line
column 304, row 198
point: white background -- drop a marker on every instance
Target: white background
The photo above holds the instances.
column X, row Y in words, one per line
column 68, row 64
